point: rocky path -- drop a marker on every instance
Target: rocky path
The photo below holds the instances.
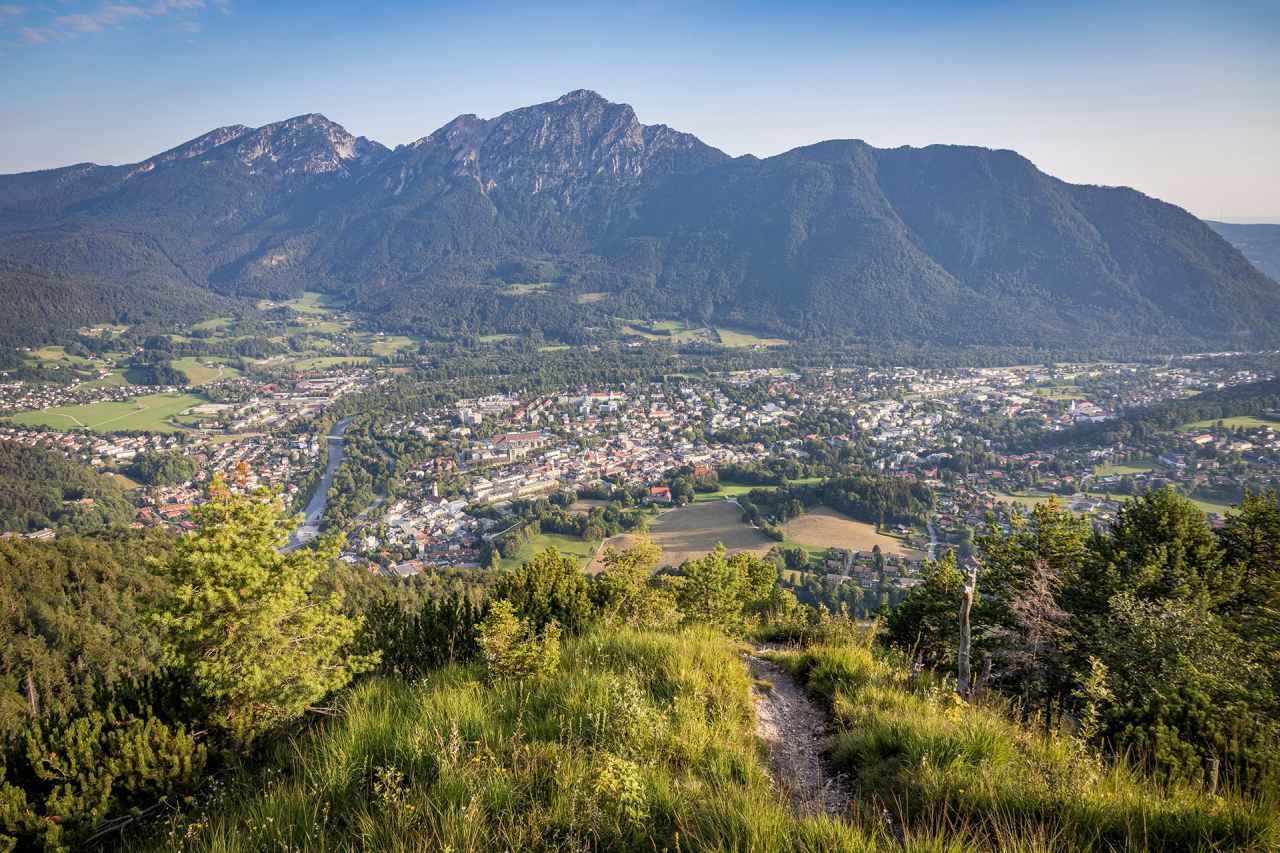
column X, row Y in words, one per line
column 796, row 729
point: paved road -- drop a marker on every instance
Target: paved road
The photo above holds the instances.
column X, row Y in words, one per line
column 310, row 527
column 933, row 539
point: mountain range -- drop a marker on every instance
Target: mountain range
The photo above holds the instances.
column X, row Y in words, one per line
column 1259, row 243
column 600, row 217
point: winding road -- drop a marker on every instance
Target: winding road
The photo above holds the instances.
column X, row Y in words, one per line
column 310, row 527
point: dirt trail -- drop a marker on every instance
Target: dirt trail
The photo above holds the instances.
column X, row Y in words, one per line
column 796, row 729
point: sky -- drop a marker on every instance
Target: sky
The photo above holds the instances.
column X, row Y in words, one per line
column 1180, row 100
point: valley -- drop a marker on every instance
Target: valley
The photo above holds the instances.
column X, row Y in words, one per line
column 813, row 473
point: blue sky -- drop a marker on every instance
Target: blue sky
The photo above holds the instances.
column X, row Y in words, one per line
column 1180, row 100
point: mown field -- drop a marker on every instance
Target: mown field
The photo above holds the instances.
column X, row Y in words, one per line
column 1241, row 422
column 826, row 528
column 1120, row 469
column 739, row 338
column 693, row 530
column 202, row 371
column 151, row 412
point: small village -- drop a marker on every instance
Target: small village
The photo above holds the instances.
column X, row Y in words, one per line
column 933, row 426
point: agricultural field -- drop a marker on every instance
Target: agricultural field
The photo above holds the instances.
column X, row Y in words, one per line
column 202, row 371
column 1061, row 392
column 114, row 378
column 1031, row 501
column 56, row 357
column 726, row 490
column 693, row 530
column 217, row 324
column 675, row 331
column 1120, row 469
column 825, row 528
column 322, row 362
column 733, row 490
column 564, row 544
column 152, row 413
column 310, row 302
column 591, row 297
column 734, row 338
column 389, row 345
column 1240, row 422
column 311, row 325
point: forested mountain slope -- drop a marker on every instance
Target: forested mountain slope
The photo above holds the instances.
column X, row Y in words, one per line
column 945, row 243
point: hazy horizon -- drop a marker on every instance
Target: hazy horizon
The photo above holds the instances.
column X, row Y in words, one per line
column 1177, row 100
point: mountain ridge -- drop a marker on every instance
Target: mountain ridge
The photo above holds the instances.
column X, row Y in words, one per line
column 954, row 244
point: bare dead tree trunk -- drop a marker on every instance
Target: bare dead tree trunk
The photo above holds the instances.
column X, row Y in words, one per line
column 33, row 701
column 1212, row 772
column 963, row 675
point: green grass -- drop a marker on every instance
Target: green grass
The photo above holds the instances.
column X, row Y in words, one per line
column 640, row 741
column 323, row 362
column 115, row 378
column 732, row 490
column 1206, row 506
column 591, row 297
column 645, row 741
column 316, row 327
column 388, row 345
column 944, row 767
column 496, row 339
column 1120, row 469
column 312, row 302
column 815, row 552
column 202, row 371
column 217, row 324
column 737, row 338
column 124, row 482
column 726, row 490
column 1242, row 421
column 55, row 356
column 1060, row 392
column 151, row 412
column 675, row 331
column 583, row 550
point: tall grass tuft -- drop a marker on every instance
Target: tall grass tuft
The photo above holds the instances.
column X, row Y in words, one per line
column 640, row 741
column 948, row 770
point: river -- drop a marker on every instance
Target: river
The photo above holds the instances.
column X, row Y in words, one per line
column 310, row 527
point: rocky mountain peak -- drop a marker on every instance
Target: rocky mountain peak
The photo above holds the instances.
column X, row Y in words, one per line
column 567, row 149
column 580, row 96
column 304, row 145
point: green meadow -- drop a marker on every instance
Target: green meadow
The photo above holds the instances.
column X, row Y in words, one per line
column 151, row 413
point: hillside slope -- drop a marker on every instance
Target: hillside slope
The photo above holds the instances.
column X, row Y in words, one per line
column 1259, row 243
column 945, row 243
column 643, row 741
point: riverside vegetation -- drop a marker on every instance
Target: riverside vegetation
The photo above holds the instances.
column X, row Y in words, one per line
column 210, row 693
